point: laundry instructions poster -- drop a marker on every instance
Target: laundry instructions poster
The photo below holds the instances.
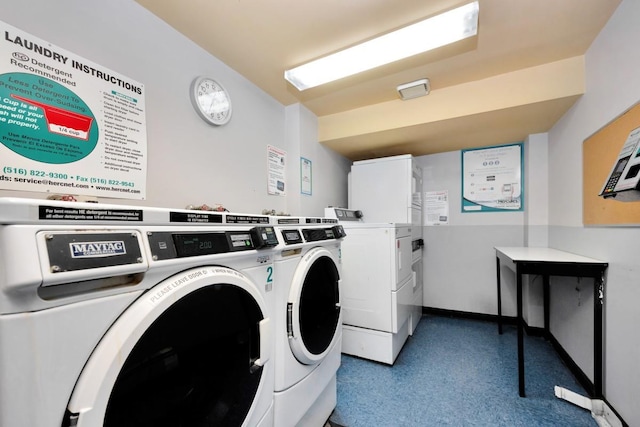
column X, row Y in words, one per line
column 68, row 125
column 492, row 179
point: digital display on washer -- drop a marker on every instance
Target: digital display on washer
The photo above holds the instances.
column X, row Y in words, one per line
column 193, row 244
column 291, row 236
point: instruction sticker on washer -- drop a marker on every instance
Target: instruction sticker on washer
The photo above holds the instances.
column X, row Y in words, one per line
column 206, row 218
column 75, row 214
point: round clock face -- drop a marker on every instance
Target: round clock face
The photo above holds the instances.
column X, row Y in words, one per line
column 211, row 101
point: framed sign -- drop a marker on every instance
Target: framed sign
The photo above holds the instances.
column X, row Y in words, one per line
column 306, row 178
column 492, row 179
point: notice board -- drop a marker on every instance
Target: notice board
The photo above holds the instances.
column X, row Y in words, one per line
column 599, row 152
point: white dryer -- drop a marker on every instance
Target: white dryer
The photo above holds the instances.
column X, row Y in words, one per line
column 126, row 316
column 389, row 189
column 378, row 286
column 307, row 320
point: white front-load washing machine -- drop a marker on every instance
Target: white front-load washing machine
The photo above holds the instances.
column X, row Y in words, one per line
column 127, row 316
column 307, row 320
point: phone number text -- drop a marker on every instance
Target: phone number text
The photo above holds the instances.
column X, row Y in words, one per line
column 60, row 175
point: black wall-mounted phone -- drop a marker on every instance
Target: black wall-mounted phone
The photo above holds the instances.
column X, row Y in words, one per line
column 623, row 182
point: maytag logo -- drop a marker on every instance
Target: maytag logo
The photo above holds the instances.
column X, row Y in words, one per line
column 97, row 249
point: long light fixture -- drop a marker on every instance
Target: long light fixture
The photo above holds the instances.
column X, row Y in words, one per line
column 434, row 32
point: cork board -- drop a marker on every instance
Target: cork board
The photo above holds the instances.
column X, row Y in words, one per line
column 599, row 152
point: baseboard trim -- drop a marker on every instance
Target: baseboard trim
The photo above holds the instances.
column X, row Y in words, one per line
column 582, row 378
column 468, row 315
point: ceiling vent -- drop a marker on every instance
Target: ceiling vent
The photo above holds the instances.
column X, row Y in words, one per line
column 414, row 89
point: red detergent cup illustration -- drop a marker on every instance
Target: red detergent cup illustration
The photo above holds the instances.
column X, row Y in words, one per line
column 63, row 122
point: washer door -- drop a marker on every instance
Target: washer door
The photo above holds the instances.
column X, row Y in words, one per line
column 188, row 352
column 313, row 309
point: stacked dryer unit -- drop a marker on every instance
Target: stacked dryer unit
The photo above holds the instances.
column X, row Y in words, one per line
column 389, row 189
column 378, row 286
column 307, row 319
column 122, row 316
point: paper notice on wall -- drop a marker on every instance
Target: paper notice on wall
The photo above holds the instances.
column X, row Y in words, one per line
column 276, row 162
column 306, row 177
column 68, row 125
column 436, row 207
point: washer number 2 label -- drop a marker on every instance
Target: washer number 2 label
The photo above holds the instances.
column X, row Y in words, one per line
column 269, row 285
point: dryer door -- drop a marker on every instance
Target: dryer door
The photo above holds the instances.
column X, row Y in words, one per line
column 313, row 309
column 188, row 352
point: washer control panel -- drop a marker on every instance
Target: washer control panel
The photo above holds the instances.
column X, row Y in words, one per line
column 342, row 214
column 316, row 234
column 169, row 245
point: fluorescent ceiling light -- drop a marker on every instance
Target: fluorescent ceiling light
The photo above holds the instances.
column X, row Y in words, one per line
column 434, row 32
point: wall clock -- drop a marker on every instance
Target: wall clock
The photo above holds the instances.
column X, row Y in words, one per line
column 211, row 101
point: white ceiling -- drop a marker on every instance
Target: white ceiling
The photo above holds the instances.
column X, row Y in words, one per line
column 517, row 77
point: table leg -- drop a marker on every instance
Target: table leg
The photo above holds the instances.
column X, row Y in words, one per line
column 520, row 322
column 546, row 297
column 598, row 300
column 499, row 297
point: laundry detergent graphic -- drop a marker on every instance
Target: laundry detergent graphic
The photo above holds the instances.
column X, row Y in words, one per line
column 61, row 121
column 44, row 121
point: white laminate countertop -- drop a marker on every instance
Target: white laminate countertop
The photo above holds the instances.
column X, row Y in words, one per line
column 519, row 254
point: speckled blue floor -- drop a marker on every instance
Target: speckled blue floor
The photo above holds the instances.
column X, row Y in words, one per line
column 458, row 372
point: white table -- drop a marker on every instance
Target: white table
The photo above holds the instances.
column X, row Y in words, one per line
column 552, row 262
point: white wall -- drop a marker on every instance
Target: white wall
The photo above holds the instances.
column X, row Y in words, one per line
column 536, row 220
column 613, row 85
column 459, row 259
column 536, row 190
column 328, row 167
column 189, row 162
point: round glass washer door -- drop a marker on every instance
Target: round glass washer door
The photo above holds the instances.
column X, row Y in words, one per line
column 314, row 306
column 187, row 355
